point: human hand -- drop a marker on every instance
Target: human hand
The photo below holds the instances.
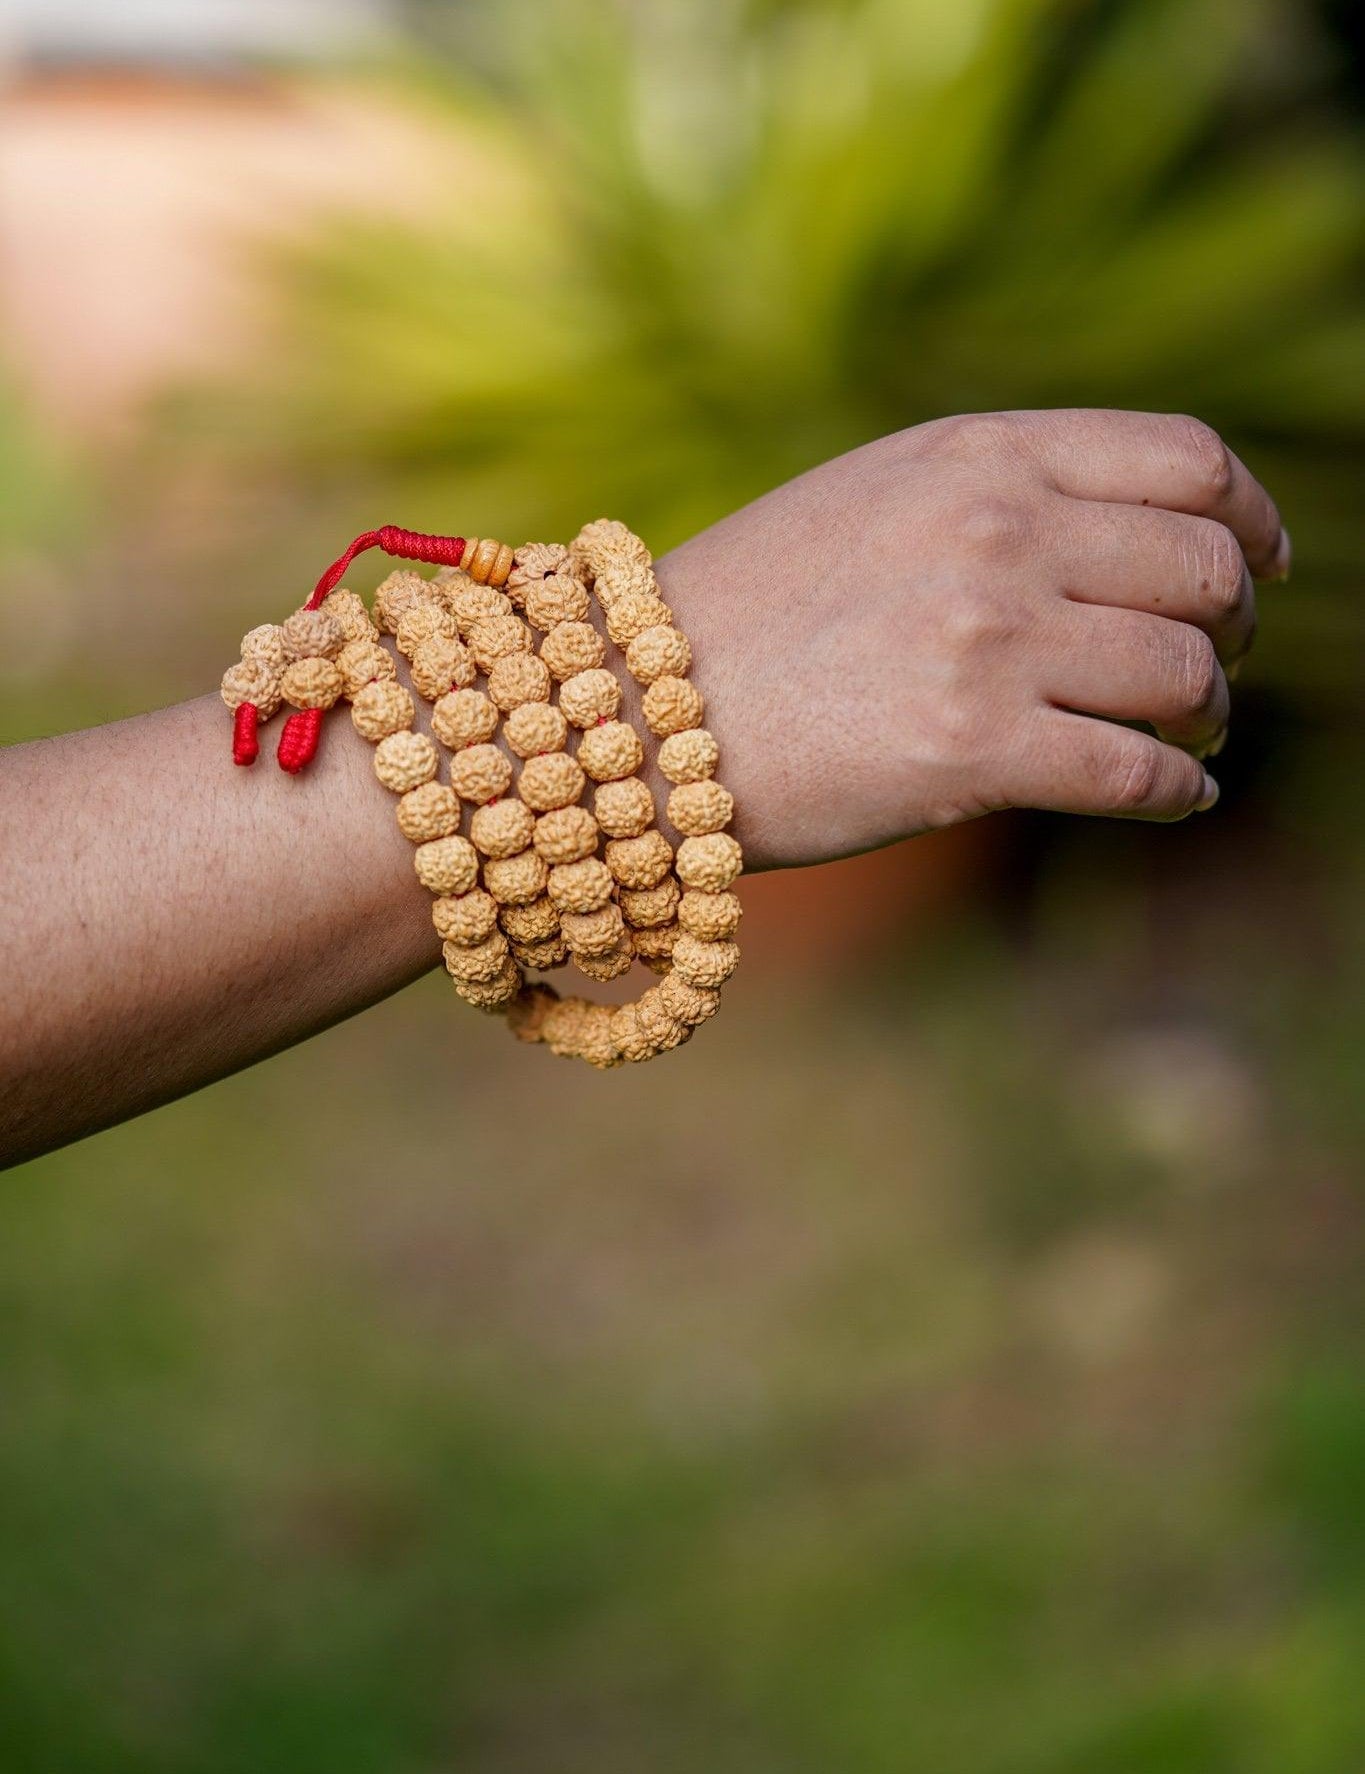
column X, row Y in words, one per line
column 951, row 620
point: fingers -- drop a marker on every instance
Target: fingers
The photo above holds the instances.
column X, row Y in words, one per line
column 1072, row 764
column 1133, row 667
column 1162, row 459
column 1190, row 569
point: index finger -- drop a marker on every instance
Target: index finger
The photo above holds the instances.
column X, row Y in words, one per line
column 1162, row 459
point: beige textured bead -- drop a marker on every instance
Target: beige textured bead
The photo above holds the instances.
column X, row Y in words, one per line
column 480, row 773
column 710, row 863
column 657, row 1021
column 382, row 708
column 536, row 922
column 590, row 696
column 551, row 780
column 689, row 756
column 526, row 1017
column 424, row 622
column 478, row 960
column 494, row 994
column 624, row 808
column 645, row 908
column 689, row 1003
column 441, row 664
column 671, row 705
column 566, row 835
column 595, row 1042
column 629, row 1039
column 311, row 634
column 544, row 954
column 266, row 643
column 469, row 604
column 604, row 542
column 534, row 561
column 605, row 967
column 348, row 611
column 396, row 596
column 593, row 933
column 253, row 681
column 572, row 647
column 446, row 580
column 560, row 598
column 404, row 760
column 518, row 678
column 659, row 653
column 534, row 728
column 447, row 865
column 516, row 880
column 642, row 861
column 632, row 615
column 654, row 945
column 430, row 811
column 311, row 683
column 360, row 663
column 704, row 963
column 465, row 918
column 610, row 751
column 487, row 561
column 504, row 828
column 623, row 578
column 711, row 916
column 464, row 717
column 581, row 886
column 494, row 637
column 696, row 808
column 564, row 1025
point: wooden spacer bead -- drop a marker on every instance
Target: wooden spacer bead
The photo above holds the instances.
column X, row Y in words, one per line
column 488, row 562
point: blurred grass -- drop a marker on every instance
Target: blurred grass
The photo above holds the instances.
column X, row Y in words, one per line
column 961, row 1368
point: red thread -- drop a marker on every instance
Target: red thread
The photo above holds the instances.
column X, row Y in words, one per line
column 245, row 750
column 299, row 740
column 408, row 545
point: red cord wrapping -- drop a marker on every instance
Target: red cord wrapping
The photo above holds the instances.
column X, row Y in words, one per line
column 303, row 729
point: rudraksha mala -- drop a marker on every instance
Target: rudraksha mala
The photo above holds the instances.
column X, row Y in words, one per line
column 534, row 878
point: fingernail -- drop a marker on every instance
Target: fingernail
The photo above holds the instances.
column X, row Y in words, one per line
column 1284, row 557
column 1213, row 750
column 1210, row 795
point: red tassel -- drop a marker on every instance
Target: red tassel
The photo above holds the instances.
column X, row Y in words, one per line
column 299, row 740
column 245, row 750
column 410, row 545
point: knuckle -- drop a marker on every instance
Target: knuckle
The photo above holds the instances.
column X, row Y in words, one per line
column 978, row 622
column 1224, row 572
column 1207, row 454
column 1134, row 779
column 975, row 436
column 992, row 525
column 1200, row 675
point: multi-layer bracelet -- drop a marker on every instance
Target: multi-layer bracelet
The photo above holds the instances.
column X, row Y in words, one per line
column 533, row 878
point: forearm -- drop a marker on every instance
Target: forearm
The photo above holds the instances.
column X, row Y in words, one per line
column 171, row 918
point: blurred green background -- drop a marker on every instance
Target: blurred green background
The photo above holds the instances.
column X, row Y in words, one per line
column 955, row 1359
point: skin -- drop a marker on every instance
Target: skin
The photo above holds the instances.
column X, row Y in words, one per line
column 942, row 623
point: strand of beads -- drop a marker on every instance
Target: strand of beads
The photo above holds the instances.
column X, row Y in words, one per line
column 527, row 887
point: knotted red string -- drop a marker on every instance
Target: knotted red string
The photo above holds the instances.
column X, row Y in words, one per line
column 303, row 729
